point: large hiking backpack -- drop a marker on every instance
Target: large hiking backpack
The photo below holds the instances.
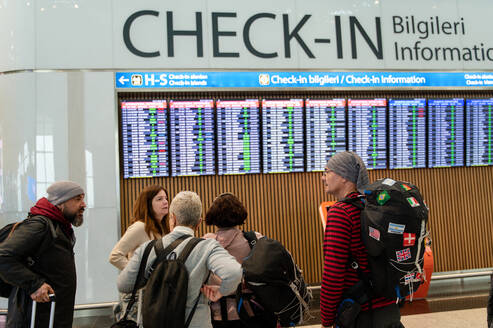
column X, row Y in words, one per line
column 276, row 281
column 5, row 232
column 393, row 230
column 165, row 295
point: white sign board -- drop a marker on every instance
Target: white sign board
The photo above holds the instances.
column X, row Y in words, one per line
column 256, row 34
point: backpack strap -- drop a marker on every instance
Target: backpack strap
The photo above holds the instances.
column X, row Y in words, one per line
column 51, row 230
column 251, row 237
column 183, row 257
column 358, row 202
column 224, row 309
column 41, row 218
column 362, row 291
column 162, row 253
column 192, row 312
column 188, row 249
column 140, row 276
column 50, row 226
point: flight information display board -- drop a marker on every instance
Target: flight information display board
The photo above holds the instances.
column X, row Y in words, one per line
column 325, row 131
column 367, row 132
column 282, row 131
column 144, row 138
column 445, row 132
column 238, row 136
column 407, row 133
column 479, row 129
column 192, row 137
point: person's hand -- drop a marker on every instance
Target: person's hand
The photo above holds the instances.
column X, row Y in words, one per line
column 42, row 294
column 211, row 292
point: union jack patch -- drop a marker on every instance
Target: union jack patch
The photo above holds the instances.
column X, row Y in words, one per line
column 403, row 255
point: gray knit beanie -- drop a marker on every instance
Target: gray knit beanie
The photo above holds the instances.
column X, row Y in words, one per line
column 350, row 166
column 61, row 191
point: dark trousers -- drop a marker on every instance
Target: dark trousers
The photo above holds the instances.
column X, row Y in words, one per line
column 386, row 317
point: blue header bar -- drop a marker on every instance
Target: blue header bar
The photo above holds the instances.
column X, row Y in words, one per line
column 188, row 80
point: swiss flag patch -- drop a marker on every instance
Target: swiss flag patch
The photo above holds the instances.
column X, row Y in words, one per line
column 409, row 239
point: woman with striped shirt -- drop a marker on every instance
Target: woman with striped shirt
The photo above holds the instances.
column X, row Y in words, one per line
column 345, row 174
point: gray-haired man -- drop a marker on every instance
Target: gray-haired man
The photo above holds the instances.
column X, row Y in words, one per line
column 185, row 216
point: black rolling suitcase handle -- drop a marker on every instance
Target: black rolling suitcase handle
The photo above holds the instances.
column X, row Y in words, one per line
column 52, row 312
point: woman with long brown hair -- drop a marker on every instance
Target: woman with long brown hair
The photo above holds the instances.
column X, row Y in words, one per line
column 150, row 221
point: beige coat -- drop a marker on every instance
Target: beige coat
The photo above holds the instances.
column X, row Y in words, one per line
column 126, row 246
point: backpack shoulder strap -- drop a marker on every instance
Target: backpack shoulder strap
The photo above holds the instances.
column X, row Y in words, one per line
column 140, row 277
column 251, row 237
column 48, row 222
column 51, row 230
column 358, row 202
column 188, row 249
column 162, row 253
column 145, row 256
column 192, row 312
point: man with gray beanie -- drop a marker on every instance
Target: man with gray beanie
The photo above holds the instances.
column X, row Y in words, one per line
column 345, row 174
column 37, row 258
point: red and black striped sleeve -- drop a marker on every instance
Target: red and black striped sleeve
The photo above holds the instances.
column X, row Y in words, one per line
column 336, row 249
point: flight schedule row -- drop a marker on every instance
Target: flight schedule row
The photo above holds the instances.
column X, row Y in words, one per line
column 479, row 127
column 144, row 138
column 446, row 132
column 242, row 136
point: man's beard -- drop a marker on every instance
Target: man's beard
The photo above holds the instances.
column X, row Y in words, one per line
column 75, row 218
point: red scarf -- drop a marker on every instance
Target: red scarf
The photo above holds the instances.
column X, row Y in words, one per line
column 45, row 208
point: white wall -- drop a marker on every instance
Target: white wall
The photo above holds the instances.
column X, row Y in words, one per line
column 17, row 35
column 48, row 34
column 57, row 126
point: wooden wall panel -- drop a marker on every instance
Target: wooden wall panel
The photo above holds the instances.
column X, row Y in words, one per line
column 285, row 207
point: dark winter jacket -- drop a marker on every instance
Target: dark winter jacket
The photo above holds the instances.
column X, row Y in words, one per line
column 52, row 262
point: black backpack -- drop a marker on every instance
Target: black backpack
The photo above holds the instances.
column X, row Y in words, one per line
column 165, row 295
column 6, row 231
column 276, row 281
column 393, row 230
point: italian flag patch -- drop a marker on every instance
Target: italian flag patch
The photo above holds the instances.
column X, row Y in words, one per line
column 412, row 201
